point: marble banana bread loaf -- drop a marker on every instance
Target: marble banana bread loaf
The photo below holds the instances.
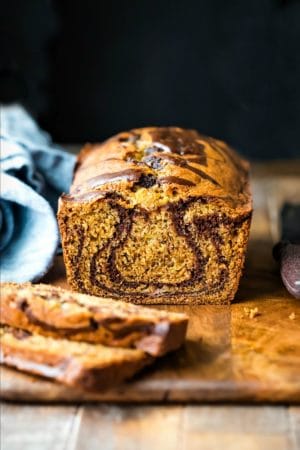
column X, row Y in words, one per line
column 157, row 215
column 55, row 312
column 77, row 364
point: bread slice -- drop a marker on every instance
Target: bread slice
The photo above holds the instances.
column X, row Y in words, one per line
column 55, row 312
column 78, row 364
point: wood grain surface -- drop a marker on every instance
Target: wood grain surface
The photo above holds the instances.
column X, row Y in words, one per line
column 148, row 427
column 228, row 356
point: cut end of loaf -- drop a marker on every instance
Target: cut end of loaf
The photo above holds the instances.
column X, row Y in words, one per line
column 184, row 252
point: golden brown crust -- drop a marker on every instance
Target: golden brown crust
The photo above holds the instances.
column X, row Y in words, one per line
column 171, row 158
column 58, row 313
column 157, row 215
column 87, row 366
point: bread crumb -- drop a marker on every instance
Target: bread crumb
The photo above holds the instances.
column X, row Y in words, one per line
column 251, row 312
column 292, row 316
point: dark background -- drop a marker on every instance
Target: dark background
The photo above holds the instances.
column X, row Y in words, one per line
column 89, row 68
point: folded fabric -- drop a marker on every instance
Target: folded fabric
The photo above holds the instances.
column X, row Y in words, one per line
column 34, row 172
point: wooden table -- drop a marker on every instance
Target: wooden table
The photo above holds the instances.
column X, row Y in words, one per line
column 150, row 427
column 174, row 426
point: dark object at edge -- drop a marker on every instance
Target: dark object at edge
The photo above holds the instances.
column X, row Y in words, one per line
column 287, row 251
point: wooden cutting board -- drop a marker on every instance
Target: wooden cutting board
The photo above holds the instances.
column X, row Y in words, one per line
column 228, row 356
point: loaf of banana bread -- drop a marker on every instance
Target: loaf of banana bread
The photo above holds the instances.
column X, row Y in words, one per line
column 55, row 312
column 157, row 215
column 78, row 364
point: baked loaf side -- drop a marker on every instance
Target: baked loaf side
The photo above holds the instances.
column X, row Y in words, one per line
column 55, row 312
column 87, row 366
column 157, row 215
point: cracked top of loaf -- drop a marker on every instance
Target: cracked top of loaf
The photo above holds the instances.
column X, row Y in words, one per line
column 154, row 166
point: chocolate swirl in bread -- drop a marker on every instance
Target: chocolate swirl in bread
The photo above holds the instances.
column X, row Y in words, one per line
column 77, row 364
column 157, row 215
column 55, row 312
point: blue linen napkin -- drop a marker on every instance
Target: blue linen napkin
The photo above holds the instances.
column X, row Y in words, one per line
column 34, row 172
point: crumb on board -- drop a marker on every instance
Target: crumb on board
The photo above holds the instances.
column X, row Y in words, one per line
column 251, row 312
column 292, row 316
